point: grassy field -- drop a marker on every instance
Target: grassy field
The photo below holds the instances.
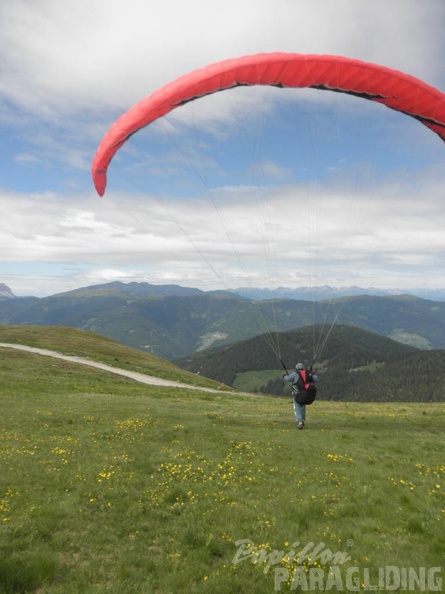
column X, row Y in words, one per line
column 111, row 486
column 250, row 381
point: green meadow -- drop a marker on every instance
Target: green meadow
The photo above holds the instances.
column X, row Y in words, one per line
column 108, row 485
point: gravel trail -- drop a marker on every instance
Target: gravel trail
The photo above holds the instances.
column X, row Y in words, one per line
column 134, row 375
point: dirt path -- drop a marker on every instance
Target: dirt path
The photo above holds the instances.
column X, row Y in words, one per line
column 134, row 375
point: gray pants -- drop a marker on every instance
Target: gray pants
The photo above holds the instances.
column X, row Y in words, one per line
column 300, row 411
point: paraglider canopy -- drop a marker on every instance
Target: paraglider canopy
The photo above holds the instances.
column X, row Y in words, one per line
column 392, row 88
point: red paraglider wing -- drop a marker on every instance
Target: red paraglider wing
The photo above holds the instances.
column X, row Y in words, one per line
column 394, row 89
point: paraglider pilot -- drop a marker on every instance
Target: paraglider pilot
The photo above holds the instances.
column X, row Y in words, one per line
column 297, row 379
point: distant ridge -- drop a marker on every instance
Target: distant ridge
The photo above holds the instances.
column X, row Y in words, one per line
column 308, row 293
column 173, row 321
column 319, row 293
column 135, row 289
column 5, row 292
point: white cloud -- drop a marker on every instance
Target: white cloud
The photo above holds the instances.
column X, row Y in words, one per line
column 69, row 68
column 229, row 242
column 58, row 57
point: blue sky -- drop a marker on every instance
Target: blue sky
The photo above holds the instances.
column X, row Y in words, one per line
column 259, row 187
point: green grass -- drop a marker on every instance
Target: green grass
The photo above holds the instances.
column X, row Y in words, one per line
column 110, row 486
column 250, row 381
column 98, row 348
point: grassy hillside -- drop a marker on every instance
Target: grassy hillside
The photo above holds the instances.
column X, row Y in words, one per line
column 353, row 364
column 107, row 485
column 98, row 348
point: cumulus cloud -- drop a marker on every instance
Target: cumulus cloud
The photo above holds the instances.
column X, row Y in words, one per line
column 59, row 58
column 68, row 69
column 231, row 241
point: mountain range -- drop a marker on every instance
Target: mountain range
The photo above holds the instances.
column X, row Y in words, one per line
column 319, row 293
column 174, row 322
column 5, row 292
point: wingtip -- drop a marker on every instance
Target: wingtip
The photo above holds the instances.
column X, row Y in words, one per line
column 100, row 181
